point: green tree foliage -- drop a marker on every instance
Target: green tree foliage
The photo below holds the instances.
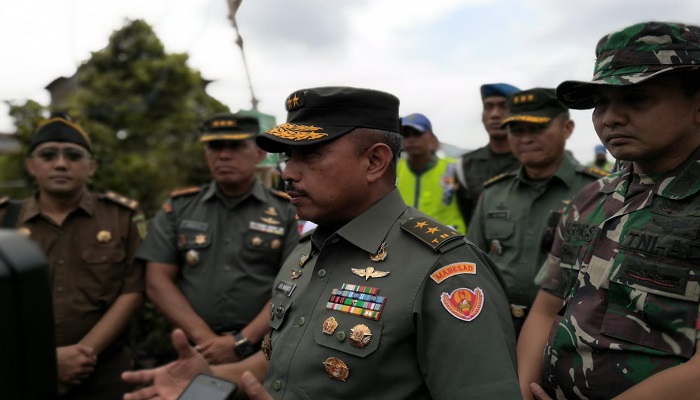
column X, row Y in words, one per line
column 142, row 109
column 16, row 181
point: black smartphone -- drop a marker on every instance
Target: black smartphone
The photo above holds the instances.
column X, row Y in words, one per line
column 207, row 387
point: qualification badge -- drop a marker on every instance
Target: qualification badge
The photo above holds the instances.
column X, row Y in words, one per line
column 380, row 255
column 192, row 258
column 496, row 247
column 200, row 239
column 266, row 346
column 336, row 368
column 369, row 272
column 360, row 335
column 329, row 326
column 104, row 236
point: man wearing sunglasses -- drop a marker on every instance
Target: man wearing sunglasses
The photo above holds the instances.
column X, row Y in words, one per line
column 213, row 251
column 89, row 240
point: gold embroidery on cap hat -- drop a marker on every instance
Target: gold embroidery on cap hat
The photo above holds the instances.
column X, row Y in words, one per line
column 297, row 132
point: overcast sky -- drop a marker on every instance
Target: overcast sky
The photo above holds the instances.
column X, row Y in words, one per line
column 433, row 55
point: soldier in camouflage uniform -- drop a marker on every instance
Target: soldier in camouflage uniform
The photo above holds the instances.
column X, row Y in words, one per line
column 625, row 258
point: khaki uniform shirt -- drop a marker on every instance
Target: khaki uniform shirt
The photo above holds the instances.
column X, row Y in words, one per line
column 90, row 256
column 228, row 251
column 393, row 305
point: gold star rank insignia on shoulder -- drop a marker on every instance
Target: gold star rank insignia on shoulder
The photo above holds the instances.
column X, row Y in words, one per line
column 369, row 272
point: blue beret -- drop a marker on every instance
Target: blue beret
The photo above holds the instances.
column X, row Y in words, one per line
column 497, row 89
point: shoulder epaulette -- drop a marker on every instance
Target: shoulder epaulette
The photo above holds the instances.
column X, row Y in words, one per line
column 185, row 191
column 279, row 193
column 496, row 178
column 430, row 232
column 594, row 172
column 4, row 200
column 121, row 200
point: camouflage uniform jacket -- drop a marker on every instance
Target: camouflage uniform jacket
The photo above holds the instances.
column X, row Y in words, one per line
column 625, row 260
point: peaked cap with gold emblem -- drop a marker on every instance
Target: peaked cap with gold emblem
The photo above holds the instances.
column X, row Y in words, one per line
column 536, row 106
column 321, row 114
column 229, row 127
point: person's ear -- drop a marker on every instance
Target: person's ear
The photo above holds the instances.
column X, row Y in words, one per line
column 29, row 166
column 379, row 157
column 569, row 127
column 92, row 168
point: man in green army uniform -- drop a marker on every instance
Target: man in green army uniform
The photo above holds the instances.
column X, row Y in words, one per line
column 516, row 215
column 621, row 289
column 380, row 302
column 495, row 158
column 213, row 251
column 425, row 180
column 89, row 240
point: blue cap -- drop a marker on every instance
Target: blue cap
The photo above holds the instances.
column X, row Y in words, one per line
column 497, row 89
column 600, row 149
column 417, row 121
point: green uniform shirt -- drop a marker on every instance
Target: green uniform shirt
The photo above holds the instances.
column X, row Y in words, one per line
column 511, row 223
column 228, row 251
column 415, row 347
column 432, row 191
column 473, row 169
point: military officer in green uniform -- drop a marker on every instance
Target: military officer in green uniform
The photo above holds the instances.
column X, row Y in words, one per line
column 516, row 215
column 381, row 301
column 214, row 250
column 475, row 167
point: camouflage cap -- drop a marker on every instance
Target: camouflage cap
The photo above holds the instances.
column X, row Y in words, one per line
column 633, row 55
column 536, row 106
column 227, row 126
column 321, row 114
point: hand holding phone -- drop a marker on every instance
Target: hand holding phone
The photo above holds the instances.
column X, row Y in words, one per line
column 207, row 387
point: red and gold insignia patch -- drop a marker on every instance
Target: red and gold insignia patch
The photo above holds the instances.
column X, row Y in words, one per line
column 464, row 304
column 452, row 270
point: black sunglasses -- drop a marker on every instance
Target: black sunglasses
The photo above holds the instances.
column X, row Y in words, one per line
column 51, row 154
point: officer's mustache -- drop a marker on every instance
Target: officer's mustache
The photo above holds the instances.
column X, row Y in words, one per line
column 290, row 188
